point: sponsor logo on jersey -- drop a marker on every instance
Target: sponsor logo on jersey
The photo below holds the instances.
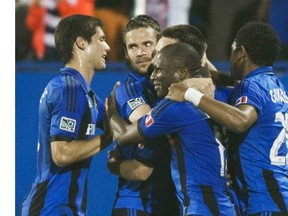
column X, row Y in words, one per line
column 67, row 124
column 135, row 102
column 149, row 120
column 241, row 100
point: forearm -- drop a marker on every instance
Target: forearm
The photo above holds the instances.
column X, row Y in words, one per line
column 133, row 170
column 66, row 153
column 230, row 117
column 123, row 132
column 222, row 79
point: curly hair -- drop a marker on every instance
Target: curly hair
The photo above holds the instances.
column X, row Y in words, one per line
column 260, row 41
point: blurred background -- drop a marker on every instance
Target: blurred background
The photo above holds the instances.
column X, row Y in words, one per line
column 37, row 62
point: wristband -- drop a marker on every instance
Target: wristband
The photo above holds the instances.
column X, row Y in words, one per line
column 193, row 96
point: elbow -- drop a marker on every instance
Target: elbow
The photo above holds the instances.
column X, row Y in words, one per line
column 240, row 127
column 61, row 157
column 61, row 161
column 144, row 174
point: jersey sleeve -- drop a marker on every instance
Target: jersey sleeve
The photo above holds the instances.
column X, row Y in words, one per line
column 249, row 93
column 129, row 96
column 168, row 117
column 66, row 104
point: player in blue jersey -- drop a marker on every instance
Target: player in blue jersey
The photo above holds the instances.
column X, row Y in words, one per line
column 193, row 36
column 258, row 116
column 69, row 113
column 145, row 185
column 198, row 159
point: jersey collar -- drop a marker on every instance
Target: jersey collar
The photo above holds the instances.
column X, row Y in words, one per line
column 261, row 70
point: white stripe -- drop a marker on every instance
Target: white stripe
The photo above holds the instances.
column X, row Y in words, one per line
column 49, row 40
column 51, row 20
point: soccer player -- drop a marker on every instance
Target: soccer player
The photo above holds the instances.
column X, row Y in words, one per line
column 145, row 184
column 193, row 36
column 258, row 116
column 198, row 158
column 69, row 112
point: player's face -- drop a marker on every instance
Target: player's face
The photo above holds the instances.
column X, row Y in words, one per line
column 98, row 49
column 140, row 44
column 163, row 75
column 236, row 62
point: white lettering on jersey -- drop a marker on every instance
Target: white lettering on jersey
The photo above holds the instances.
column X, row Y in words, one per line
column 278, row 95
column 90, row 129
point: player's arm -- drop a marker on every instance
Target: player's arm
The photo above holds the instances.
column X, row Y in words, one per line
column 65, row 153
column 218, row 77
column 121, row 130
column 222, row 79
column 237, row 119
column 131, row 170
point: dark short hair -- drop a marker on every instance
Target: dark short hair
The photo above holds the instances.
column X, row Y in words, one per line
column 142, row 21
column 188, row 34
column 69, row 28
column 182, row 55
column 260, row 41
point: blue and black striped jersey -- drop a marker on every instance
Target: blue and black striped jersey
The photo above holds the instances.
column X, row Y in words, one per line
column 157, row 194
column 260, row 154
column 198, row 160
column 68, row 110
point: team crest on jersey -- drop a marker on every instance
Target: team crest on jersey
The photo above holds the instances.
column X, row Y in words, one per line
column 67, row 124
column 241, row 100
column 135, row 102
column 149, row 120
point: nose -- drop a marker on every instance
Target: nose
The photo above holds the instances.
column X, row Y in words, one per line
column 153, row 76
column 141, row 51
column 107, row 47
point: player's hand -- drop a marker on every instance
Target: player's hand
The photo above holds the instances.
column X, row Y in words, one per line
column 110, row 103
column 177, row 91
column 113, row 155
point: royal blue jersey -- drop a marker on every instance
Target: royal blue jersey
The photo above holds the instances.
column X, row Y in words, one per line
column 260, row 154
column 68, row 110
column 198, row 160
column 157, row 194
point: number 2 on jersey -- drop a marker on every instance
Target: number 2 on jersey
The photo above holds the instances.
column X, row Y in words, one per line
column 282, row 137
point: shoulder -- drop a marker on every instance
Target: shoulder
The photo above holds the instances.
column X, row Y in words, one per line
column 64, row 87
column 168, row 106
column 129, row 86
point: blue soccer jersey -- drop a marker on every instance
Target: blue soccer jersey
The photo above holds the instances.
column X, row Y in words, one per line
column 157, row 194
column 68, row 111
column 260, row 154
column 198, row 160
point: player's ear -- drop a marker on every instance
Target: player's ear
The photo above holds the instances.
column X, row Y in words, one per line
column 183, row 73
column 81, row 43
